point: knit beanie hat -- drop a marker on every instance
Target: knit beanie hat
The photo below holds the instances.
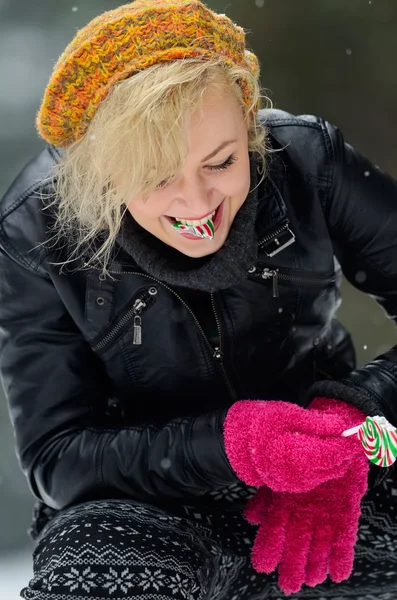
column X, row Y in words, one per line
column 120, row 42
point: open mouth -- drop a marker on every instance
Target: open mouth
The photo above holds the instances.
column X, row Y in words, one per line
column 215, row 217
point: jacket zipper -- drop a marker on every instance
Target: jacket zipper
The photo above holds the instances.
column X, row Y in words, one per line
column 135, row 312
column 139, row 305
column 216, row 353
column 273, row 237
column 275, row 275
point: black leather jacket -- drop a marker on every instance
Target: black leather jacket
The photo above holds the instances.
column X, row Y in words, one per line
column 98, row 415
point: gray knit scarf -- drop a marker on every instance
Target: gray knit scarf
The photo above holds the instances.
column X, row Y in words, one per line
column 226, row 267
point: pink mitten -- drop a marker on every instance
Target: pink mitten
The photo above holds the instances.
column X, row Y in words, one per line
column 349, row 413
column 310, row 535
column 284, row 446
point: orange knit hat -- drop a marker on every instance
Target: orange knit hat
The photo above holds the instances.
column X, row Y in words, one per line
column 120, row 42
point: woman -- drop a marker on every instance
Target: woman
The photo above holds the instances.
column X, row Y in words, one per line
column 170, row 269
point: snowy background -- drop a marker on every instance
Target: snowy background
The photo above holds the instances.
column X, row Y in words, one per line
column 334, row 58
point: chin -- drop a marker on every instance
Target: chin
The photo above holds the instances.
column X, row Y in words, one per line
column 203, row 248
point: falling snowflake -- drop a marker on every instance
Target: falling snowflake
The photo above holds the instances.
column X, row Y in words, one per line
column 260, row 3
column 75, row 8
column 165, row 463
column 348, row 51
column 360, row 276
column 365, row 347
column 366, row 173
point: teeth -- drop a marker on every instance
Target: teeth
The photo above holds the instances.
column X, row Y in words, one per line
column 199, row 222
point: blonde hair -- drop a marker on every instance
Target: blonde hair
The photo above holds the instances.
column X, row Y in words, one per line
column 141, row 123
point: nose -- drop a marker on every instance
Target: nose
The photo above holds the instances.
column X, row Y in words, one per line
column 194, row 199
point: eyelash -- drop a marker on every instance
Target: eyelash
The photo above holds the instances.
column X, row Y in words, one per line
column 228, row 162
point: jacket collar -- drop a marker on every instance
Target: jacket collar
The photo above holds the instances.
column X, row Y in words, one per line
column 272, row 224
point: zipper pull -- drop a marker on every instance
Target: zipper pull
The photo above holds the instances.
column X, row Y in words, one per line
column 139, row 304
column 266, row 274
column 279, row 240
column 137, row 331
column 217, row 353
column 275, row 284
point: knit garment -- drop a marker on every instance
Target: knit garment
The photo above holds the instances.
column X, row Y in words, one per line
column 287, row 447
column 222, row 269
column 309, row 535
column 130, row 38
column 347, row 391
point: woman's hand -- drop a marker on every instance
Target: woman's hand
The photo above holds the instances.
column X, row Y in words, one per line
column 310, row 535
column 289, row 448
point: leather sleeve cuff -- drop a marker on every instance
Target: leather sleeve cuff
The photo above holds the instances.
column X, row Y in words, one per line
column 358, row 396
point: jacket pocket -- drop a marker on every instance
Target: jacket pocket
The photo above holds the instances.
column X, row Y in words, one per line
column 131, row 316
column 277, row 276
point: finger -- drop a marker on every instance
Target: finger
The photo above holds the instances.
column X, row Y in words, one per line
column 324, row 507
column 342, row 554
column 341, row 559
column 269, row 543
column 292, row 568
column 258, row 506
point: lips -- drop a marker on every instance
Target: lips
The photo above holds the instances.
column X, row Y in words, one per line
column 217, row 220
column 172, row 220
column 195, row 219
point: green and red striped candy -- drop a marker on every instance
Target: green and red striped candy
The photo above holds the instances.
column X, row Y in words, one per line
column 379, row 440
column 205, row 231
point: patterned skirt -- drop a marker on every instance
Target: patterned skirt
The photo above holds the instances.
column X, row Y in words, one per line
column 121, row 549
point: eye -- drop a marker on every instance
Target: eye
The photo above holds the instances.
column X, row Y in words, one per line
column 164, row 183
column 228, row 162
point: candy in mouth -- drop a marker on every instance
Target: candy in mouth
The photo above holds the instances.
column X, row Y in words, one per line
column 204, row 231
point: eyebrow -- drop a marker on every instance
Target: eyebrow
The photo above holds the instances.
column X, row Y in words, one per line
column 223, row 145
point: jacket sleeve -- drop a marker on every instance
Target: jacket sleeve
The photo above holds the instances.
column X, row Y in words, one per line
column 361, row 214
column 56, row 391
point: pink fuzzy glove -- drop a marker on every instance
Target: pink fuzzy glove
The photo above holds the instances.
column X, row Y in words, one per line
column 284, row 446
column 310, row 535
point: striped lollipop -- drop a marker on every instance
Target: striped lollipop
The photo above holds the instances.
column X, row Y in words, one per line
column 204, row 231
column 379, row 440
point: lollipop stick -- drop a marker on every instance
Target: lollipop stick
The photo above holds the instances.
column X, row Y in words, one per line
column 351, row 431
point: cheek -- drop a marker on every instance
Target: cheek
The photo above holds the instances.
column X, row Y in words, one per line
column 235, row 188
column 242, row 177
column 147, row 211
column 241, row 186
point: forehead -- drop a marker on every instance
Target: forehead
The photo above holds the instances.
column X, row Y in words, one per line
column 220, row 118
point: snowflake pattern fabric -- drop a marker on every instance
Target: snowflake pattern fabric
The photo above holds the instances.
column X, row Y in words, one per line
column 119, row 549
